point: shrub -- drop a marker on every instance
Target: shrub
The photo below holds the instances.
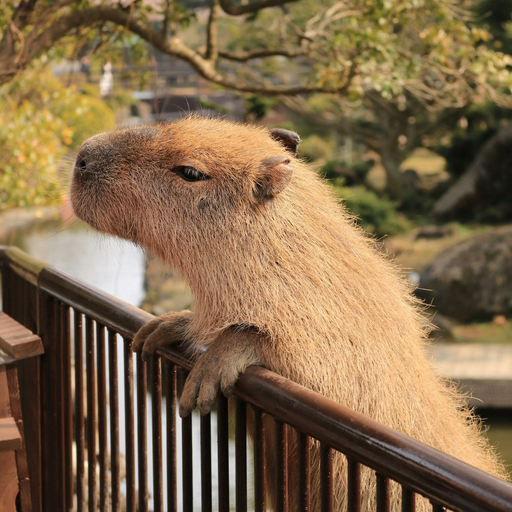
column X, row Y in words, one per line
column 375, row 214
column 30, row 148
column 315, row 148
column 40, row 121
column 354, row 174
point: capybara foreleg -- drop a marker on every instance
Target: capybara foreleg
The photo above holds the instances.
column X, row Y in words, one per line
column 219, row 367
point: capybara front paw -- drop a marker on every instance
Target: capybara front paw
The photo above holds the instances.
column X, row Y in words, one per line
column 218, row 368
column 165, row 330
column 204, row 382
column 143, row 333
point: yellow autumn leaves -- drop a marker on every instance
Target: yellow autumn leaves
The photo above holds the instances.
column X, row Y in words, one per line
column 41, row 122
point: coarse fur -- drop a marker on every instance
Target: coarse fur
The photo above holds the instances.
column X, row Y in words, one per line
column 279, row 269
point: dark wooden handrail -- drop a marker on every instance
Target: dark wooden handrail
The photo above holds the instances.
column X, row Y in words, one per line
column 438, row 476
column 441, row 478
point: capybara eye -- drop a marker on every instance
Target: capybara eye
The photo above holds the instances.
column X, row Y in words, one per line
column 189, row 173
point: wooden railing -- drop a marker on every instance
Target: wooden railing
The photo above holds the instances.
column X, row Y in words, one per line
column 93, row 444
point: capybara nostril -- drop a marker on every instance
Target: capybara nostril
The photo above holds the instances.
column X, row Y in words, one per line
column 81, row 165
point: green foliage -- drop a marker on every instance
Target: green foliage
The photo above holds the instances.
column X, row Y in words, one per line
column 401, row 45
column 40, row 121
column 496, row 16
column 30, row 148
column 207, row 104
column 85, row 115
column 431, row 50
column 315, row 148
column 463, row 144
column 352, row 174
column 257, row 107
column 376, row 214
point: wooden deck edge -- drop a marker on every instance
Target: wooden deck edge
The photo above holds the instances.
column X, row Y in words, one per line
column 10, row 437
column 17, row 341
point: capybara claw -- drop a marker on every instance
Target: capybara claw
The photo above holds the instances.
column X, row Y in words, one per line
column 202, row 386
column 164, row 330
column 145, row 355
column 143, row 333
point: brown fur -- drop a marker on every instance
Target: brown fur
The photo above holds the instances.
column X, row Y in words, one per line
column 281, row 277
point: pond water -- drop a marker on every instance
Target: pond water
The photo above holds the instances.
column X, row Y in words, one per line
column 113, row 265
column 499, row 423
column 117, row 267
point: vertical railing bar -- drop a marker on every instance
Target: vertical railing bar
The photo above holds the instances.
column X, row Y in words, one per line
column 408, row 500
column 58, row 329
column 68, row 403
column 304, row 464
column 142, row 433
column 19, row 299
column 383, row 498
column 79, row 412
column 156, row 411
column 186, row 451
column 114, row 420
column 260, row 477
column 50, row 475
column 281, row 466
column 171, row 465
column 102, row 414
column 206, row 463
column 223, row 452
column 241, row 455
column 91, row 413
column 354, row 485
column 130, row 426
column 326, row 480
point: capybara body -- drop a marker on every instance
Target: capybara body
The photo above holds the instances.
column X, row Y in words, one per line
column 281, row 277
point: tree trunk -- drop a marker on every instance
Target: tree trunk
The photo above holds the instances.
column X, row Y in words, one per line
column 395, row 185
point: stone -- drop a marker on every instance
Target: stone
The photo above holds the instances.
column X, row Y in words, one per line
column 473, row 279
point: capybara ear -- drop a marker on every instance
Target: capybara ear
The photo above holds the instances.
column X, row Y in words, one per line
column 275, row 174
column 290, row 140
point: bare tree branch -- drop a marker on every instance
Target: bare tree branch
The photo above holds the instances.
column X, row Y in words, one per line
column 165, row 23
column 328, row 118
column 238, row 10
column 212, row 49
column 39, row 41
column 381, row 103
column 260, row 54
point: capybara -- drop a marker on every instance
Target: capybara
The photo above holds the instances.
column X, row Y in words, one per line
column 281, row 275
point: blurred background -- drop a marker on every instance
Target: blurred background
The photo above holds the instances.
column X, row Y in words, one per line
column 403, row 107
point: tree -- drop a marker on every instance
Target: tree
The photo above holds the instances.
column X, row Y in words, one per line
column 40, row 120
column 389, row 70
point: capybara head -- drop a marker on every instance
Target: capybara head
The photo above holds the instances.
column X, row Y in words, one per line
column 154, row 184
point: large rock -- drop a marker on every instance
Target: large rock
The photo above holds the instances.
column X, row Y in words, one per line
column 473, row 279
column 484, row 191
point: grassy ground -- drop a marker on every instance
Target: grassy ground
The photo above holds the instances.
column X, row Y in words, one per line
column 414, row 254
column 429, row 166
column 495, row 333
